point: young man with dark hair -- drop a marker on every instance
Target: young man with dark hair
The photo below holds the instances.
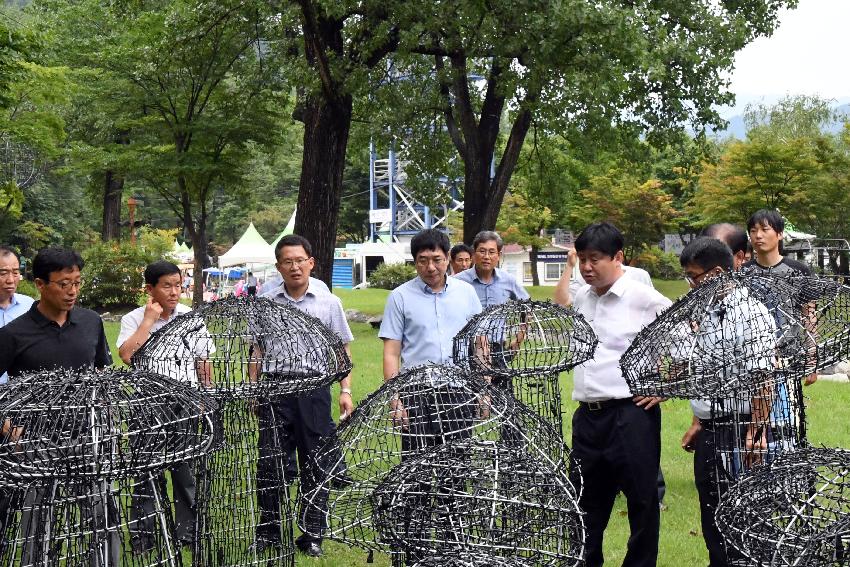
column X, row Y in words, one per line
column 461, row 258
column 301, row 421
column 493, row 285
column 736, row 328
column 616, row 436
column 733, row 236
column 423, row 315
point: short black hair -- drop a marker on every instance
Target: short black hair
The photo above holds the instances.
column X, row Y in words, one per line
column 770, row 216
column 158, row 269
column 487, row 236
column 6, row 250
column 55, row 259
column 293, row 240
column 707, row 252
column 429, row 239
column 458, row 248
column 602, row 237
column 733, row 235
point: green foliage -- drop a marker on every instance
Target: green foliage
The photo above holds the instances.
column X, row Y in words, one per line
column 390, row 276
column 27, row 287
column 659, row 264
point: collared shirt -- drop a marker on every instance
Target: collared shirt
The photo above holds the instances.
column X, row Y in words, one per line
column 33, row 342
column 307, row 356
column 19, row 305
column 182, row 365
column 276, row 281
column 426, row 322
column 501, row 288
column 735, row 338
column 638, row 274
column 616, row 317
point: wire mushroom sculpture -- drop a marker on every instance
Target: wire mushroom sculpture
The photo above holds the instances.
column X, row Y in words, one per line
column 455, row 558
column 523, row 346
column 423, row 407
column 247, row 352
column 793, row 511
column 480, row 496
column 82, row 453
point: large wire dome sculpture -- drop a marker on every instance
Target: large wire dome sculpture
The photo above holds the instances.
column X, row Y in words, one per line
column 793, row 511
column 253, row 346
column 420, row 408
column 81, row 453
column 251, row 351
column 523, row 346
column 738, row 331
column 480, row 496
column 455, row 558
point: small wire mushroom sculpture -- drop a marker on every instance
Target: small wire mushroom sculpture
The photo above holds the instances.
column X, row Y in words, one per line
column 523, row 346
column 793, row 511
column 247, row 352
column 480, row 496
column 422, row 407
column 82, row 453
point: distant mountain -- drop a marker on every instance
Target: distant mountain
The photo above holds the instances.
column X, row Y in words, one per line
column 737, row 128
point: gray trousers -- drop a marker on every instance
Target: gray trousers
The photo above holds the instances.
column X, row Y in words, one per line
column 143, row 515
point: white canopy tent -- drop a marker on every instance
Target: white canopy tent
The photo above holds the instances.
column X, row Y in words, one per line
column 251, row 248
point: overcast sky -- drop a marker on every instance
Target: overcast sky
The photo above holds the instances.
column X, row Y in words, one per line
column 808, row 54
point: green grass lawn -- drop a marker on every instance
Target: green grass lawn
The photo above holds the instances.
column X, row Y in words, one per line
column 681, row 540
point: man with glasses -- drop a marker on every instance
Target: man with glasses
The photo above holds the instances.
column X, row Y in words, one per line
column 493, row 285
column 54, row 334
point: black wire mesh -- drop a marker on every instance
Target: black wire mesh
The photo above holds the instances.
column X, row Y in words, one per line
column 420, row 408
column 481, row 496
column 69, row 425
column 455, row 558
column 244, row 506
column 793, row 511
column 524, row 338
column 738, row 331
column 247, row 346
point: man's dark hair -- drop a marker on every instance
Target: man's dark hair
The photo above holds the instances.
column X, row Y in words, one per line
column 770, row 216
column 293, row 240
column 458, row 248
column 707, row 252
column 732, row 234
column 55, row 259
column 6, row 250
column 158, row 269
column 602, row 237
column 487, row 236
column 429, row 239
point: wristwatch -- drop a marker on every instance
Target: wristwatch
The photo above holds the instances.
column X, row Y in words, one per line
column 345, row 391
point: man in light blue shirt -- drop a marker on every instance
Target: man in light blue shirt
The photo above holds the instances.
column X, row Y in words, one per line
column 493, row 285
column 423, row 315
column 12, row 304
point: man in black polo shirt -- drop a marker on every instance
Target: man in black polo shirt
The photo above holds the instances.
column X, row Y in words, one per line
column 53, row 334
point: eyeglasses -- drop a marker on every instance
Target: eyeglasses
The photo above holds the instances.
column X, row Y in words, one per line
column 65, row 284
column 486, row 253
column 694, row 280
column 423, row 261
column 290, row 263
column 6, row 273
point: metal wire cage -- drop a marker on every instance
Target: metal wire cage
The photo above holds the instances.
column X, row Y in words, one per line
column 69, row 425
column 793, row 511
column 82, row 453
column 524, row 338
column 481, row 496
column 739, row 331
column 422, row 407
column 455, row 558
column 247, row 346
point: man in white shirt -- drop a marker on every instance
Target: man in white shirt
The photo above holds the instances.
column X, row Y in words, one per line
column 162, row 284
column 616, row 437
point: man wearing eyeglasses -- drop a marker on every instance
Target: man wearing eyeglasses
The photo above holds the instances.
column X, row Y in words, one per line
column 54, row 334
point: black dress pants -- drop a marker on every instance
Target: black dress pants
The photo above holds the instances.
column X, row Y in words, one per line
column 618, row 448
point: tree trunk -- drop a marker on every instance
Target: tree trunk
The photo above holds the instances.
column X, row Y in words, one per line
column 535, row 277
column 326, row 129
column 113, row 189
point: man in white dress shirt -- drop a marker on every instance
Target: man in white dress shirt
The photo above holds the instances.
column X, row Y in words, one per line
column 616, row 437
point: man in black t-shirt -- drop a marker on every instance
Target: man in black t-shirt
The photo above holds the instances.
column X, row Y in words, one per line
column 766, row 228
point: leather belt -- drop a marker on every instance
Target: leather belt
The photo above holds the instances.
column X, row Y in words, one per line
column 606, row 404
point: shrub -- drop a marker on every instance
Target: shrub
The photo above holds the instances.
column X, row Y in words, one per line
column 26, row 287
column 390, row 276
column 659, row 264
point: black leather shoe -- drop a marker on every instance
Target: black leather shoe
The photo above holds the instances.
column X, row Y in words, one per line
column 261, row 544
column 312, row 550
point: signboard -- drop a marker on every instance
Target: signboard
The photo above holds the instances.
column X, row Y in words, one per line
column 553, row 257
column 380, row 216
